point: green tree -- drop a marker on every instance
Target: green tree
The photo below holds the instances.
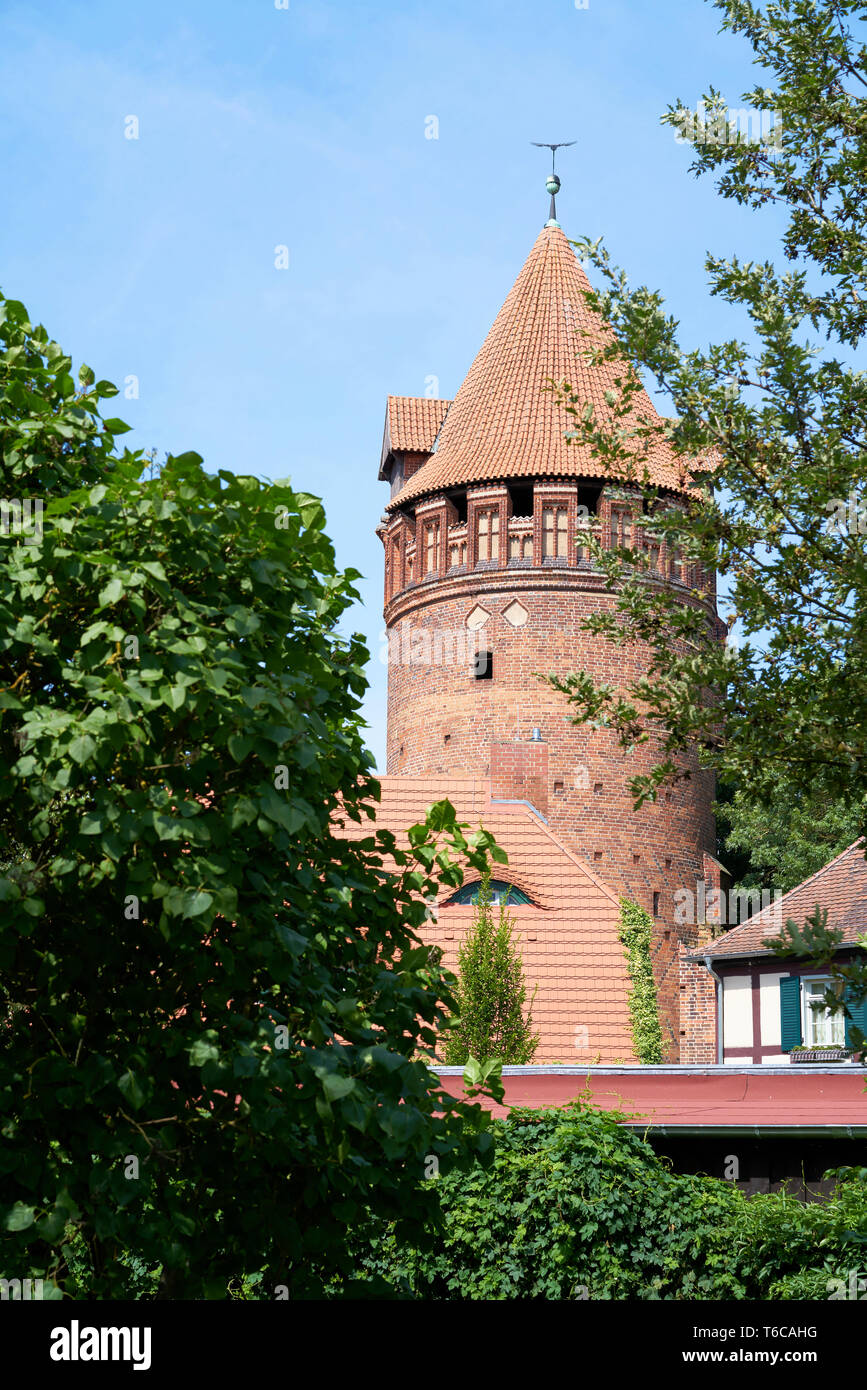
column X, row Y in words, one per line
column 773, row 429
column 780, row 844
column 777, row 429
column 491, row 992
column 219, row 1012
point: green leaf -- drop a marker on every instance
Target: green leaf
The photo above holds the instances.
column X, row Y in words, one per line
column 129, row 1086
column 20, row 1217
column 204, row 1051
column 334, row 1086
column 111, row 593
column 81, row 749
column 153, row 568
column 173, row 695
column 239, row 746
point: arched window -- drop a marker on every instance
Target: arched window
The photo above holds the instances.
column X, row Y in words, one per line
column 501, row 892
column 432, row 547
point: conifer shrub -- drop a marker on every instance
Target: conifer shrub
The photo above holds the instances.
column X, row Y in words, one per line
column 491, row 992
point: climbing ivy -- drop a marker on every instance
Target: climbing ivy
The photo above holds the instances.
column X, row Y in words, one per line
column 636, row 927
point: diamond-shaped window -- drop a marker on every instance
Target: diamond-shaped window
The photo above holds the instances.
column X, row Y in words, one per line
column 477, row 617
column 516, row 614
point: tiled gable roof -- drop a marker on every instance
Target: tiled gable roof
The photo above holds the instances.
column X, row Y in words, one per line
column 412, row 423
column 841, row 887
column 503, row 423
column 568, row 937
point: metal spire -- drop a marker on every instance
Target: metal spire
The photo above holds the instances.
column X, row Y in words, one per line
column 553, row 183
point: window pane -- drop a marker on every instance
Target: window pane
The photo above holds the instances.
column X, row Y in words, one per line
column 500, row 892
column 547, row 531
column 824, row 1028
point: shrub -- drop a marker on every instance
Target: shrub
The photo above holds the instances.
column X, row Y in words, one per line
column 490, row 991
column 576, row 1205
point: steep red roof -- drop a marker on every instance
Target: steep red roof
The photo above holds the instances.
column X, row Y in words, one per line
column 503, row 423
column 841, row 887
column 568, row 934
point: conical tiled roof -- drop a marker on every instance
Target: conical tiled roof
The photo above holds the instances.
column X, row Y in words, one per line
column 502, row 422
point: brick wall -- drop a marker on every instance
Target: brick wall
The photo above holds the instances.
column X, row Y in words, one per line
column 698, row 1021
column 442, row 720
column 519, row 772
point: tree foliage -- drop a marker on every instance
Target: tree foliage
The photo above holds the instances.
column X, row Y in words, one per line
column 772, row 427
column 778, row 845
column 576, row 1206
column 219, row 1012
column 779, row 426
column 490, row 992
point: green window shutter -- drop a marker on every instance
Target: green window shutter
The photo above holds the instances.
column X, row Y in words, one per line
column 790, row 1012
column 859, row 1017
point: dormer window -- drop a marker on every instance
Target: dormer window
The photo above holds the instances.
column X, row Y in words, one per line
column 501, row 892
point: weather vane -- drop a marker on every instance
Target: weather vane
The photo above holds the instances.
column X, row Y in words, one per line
column 553, row 183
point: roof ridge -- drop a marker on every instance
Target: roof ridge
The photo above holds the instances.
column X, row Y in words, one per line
column 799, row 887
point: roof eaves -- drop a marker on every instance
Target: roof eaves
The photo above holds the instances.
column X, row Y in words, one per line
column 761, row 951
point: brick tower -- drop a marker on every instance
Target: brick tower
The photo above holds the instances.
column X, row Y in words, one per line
column 487, row 584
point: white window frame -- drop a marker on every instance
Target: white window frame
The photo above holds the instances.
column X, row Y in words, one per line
column 809, row 1018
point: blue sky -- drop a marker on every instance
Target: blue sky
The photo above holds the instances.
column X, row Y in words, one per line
column 305, row 127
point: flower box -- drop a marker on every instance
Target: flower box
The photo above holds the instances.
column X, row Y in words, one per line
column 820, row 1054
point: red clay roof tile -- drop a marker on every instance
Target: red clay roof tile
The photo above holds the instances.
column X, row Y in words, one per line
column 503, row 423
column 576, row 959
column 412, row 423
column 841, row 887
